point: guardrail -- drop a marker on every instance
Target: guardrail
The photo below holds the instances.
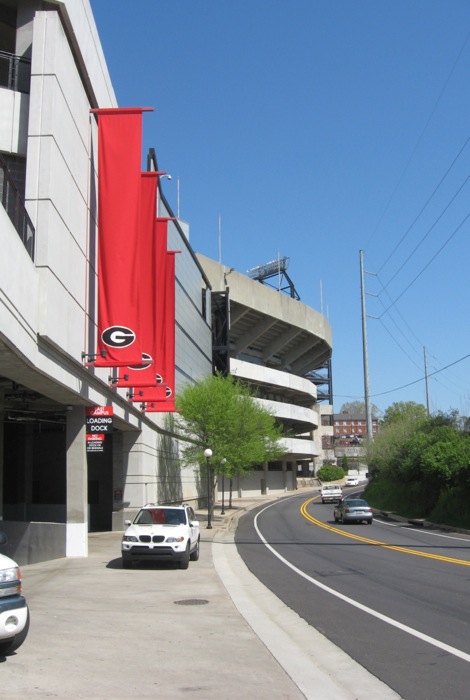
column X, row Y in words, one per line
column 15, row 72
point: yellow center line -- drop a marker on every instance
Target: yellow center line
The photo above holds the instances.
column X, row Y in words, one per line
column 376, row 543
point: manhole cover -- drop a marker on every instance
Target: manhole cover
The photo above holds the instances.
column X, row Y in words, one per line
column 191, row 601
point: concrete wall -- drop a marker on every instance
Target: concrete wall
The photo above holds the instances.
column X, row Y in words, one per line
column 29, row 543
column 14, row 112
column 19, row 290
column 50, row 303
column 193, row 330
column 58, row 187
column 259, row 482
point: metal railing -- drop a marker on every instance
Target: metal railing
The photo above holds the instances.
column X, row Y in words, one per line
column 15, row 72
column 14, row 206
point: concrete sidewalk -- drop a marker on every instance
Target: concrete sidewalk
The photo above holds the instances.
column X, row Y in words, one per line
column 212, row 631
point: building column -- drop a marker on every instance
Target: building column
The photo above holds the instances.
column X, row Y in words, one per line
column 2, row 448
column 118, row 482
column 239, row 487
column 284, row 473
column 265, row 480
column 77, row 484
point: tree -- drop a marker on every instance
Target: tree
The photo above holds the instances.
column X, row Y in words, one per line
column 219, row 413
column 358, row 408
column 405, row 412
column 417, row 461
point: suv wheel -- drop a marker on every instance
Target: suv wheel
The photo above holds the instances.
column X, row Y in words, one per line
column 194, row 556
column 184, row 562
column 126, row 564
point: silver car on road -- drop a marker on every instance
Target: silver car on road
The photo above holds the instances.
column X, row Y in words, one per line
column 353, row 510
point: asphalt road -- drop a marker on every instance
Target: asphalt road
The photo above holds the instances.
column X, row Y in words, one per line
column 394, row 597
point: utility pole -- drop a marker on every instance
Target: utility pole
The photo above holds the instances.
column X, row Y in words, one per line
column 220, row 239
column 364, row 350
column 426, row 378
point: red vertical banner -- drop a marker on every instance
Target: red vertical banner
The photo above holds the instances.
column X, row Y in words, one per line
column 161, row 233
column 151, row 374
column 169, row 346
column 119, row 191
column 168, row 404
column 144, row 374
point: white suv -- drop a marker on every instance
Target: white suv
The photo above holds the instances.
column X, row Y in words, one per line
column 14, row 613
column 161, row 533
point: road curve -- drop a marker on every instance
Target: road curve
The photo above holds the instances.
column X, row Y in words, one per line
column 319, row 668
column 399, row 574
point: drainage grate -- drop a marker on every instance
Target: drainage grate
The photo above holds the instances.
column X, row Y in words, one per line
column 191, row 601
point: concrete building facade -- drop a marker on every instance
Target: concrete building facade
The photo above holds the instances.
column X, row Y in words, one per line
column 52, row 491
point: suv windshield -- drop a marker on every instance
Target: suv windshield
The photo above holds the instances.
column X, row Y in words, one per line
column 161, row 516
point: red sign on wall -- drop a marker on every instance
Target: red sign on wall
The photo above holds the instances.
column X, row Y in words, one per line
column 99, row 411
column 95, row 443
column 99, row 419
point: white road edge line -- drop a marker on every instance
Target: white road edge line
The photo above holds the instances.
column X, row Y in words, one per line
column 390, row 621
column 423, row 532
column 313, row 662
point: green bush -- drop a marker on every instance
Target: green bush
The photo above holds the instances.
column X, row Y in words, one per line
column 420, row 466
column 452, row 508
column 411, row 501
column 407, row 500
column 330, row 473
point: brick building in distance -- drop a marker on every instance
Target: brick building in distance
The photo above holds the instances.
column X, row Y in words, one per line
column 350, row 428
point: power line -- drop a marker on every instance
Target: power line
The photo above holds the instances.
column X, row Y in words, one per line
column 416, row 381
column 423, row 208
column 410, row 329
column 405, row 336
column 429, row 230
column 457, row 389
column 451, row 382
column 428, row 264
column 419, row 141
column 398, row 344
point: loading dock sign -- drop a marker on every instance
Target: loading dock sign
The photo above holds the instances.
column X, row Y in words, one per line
column 99, row 421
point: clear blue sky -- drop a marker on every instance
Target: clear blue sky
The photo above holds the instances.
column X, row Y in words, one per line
column 316, row 129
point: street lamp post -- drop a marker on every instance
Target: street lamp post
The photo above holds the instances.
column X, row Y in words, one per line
column 224, row 462
column 208, row 455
